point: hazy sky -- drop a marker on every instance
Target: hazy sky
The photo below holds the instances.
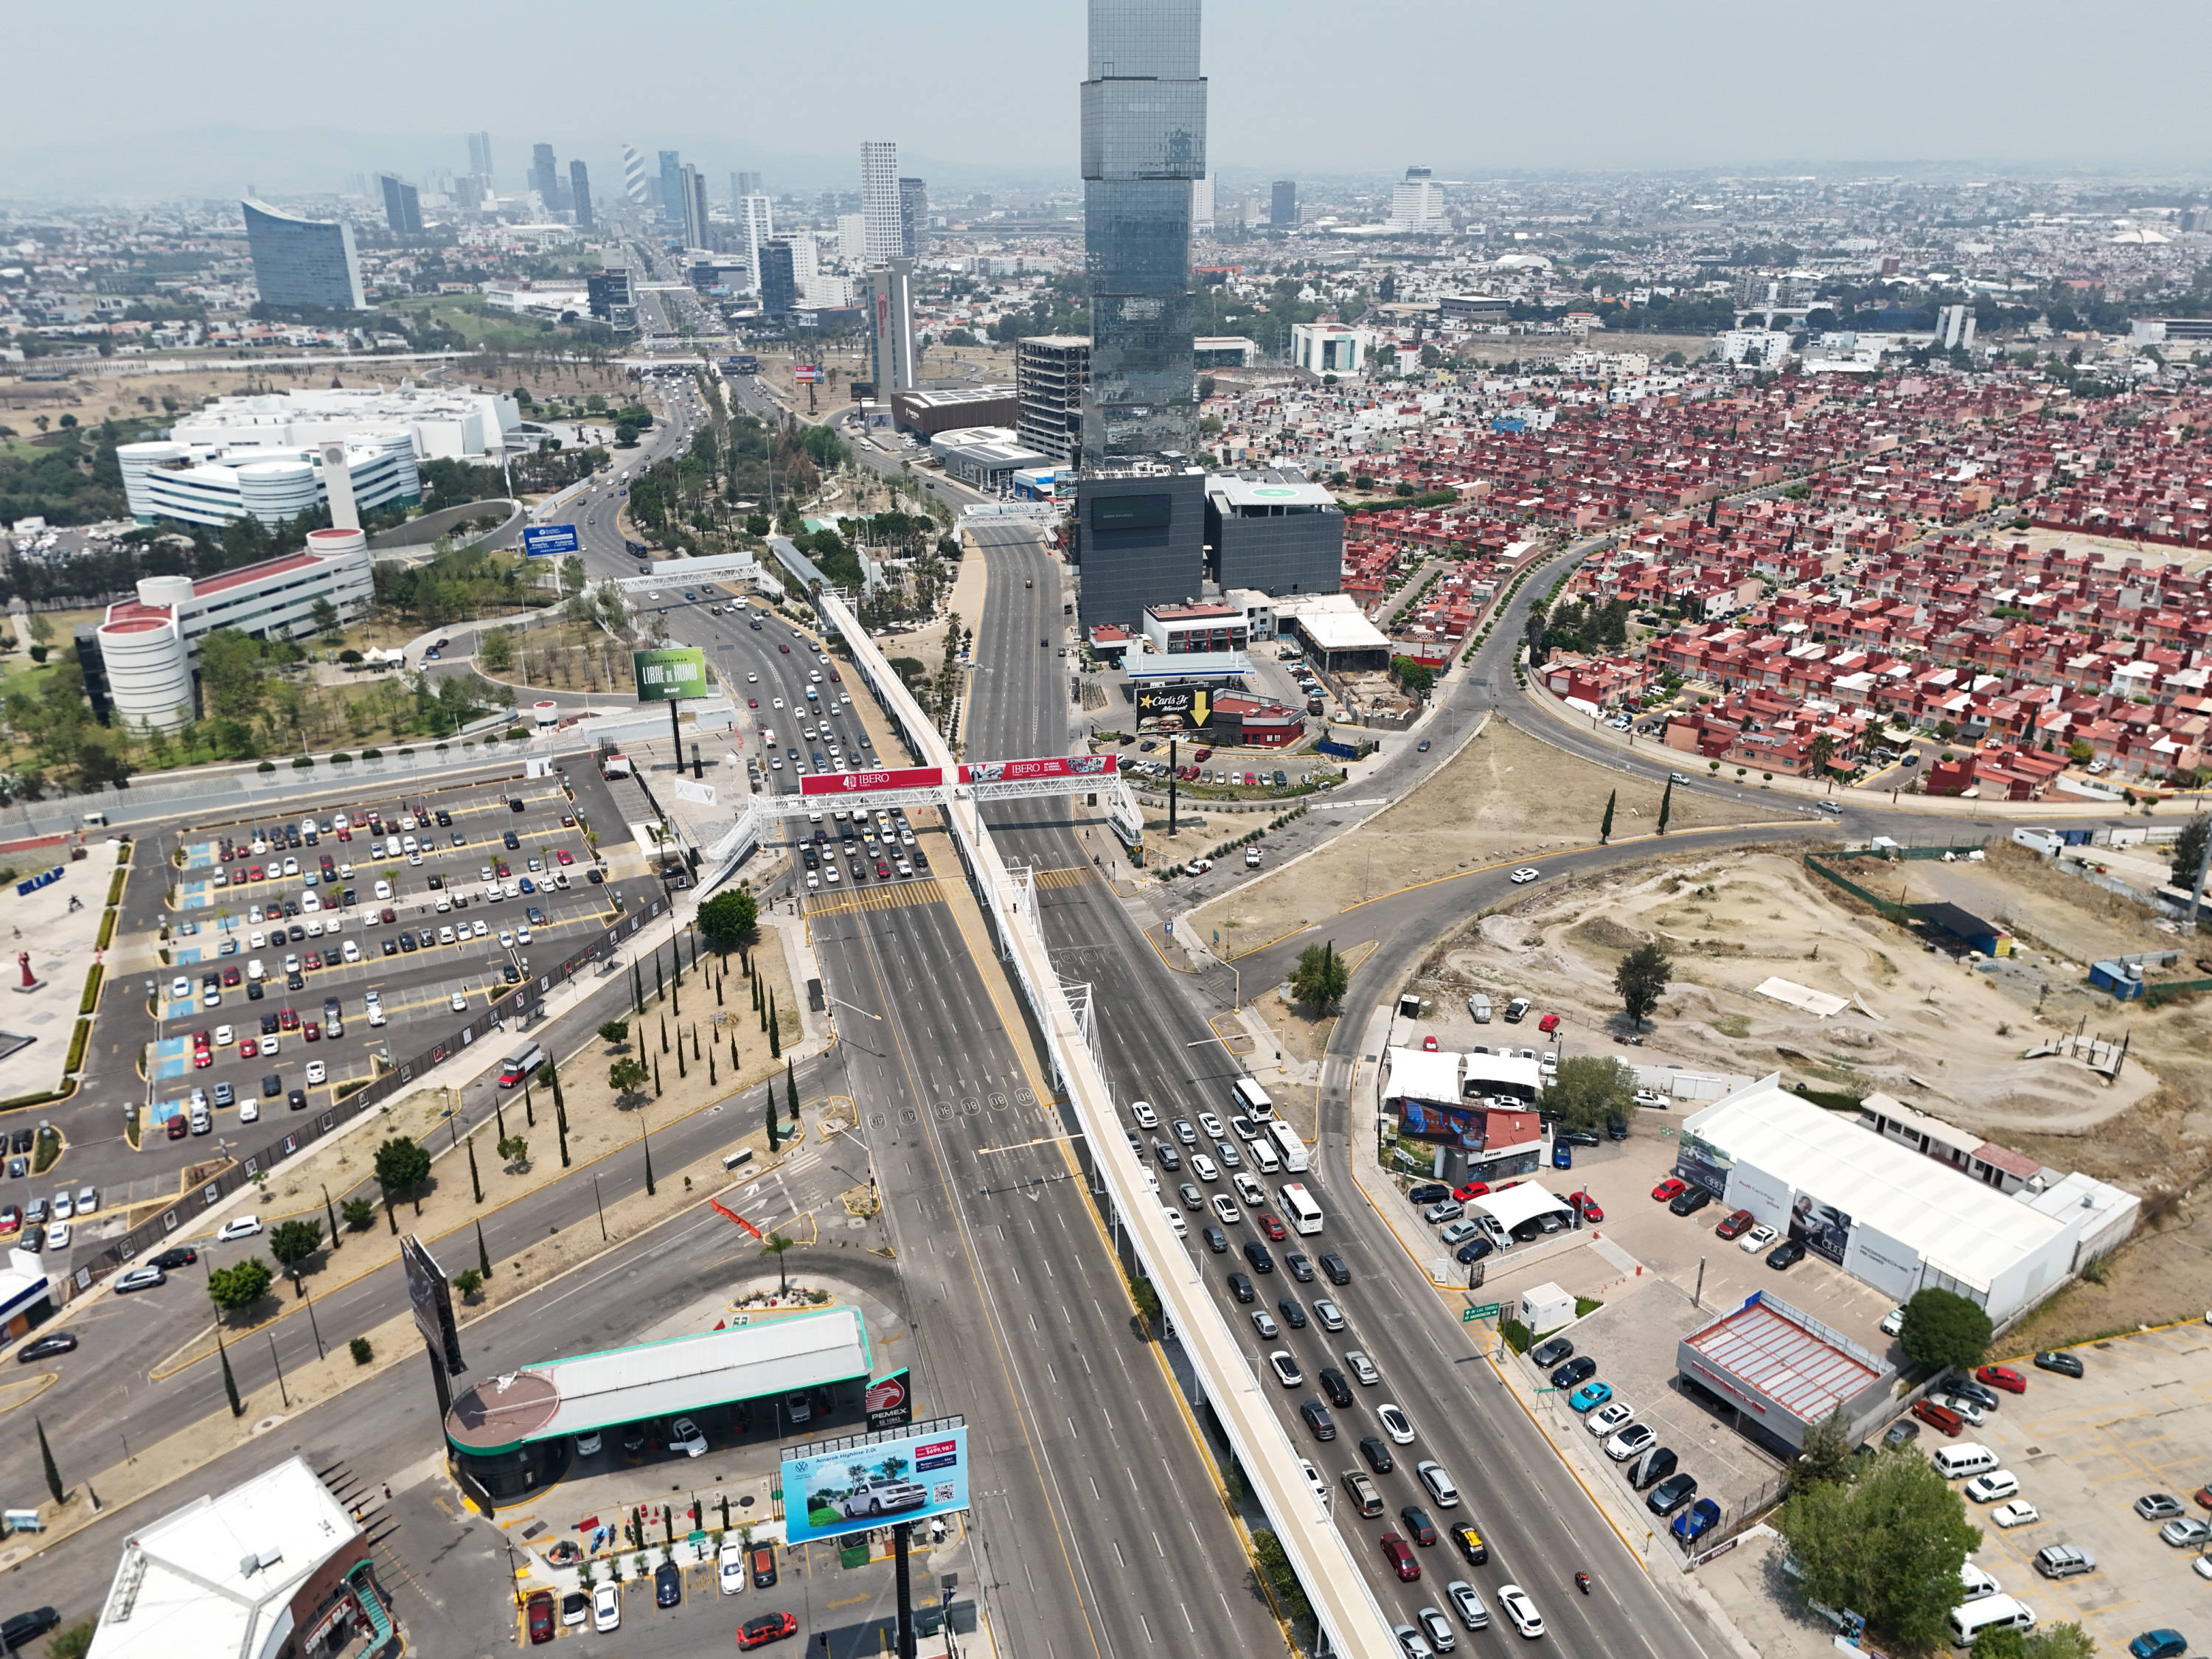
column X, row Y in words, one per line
column 203, row 97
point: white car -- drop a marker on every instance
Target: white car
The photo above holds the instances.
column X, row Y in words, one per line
column 179, row 988
column 1520, row 1610
column 1971, row 1410
column 375, row 1014
column 1526, row 874
column 292, row 963
column 1210, row 1126
column 1141, row 1111
column 1630, row 1441
column 315, row 1070
column 1893, row 1322
column 752, row 679
column 1228, row 1212
column 57, row 1236
column 684, row 1436
column 506, row 939
column 238, row 1226
column 256, row 941
column 459, row 1002
column 1286, row 1368
column 1605, row 1418
column 64, row 1206
column 2018, row 1513
column 1176, row 1224
column 1756, row 1240
column 1394, row 1424
column 606, row 1607
column 249, row 1111
column 521, row 933
column 730, row 1568
column 1204, row 1167
column 223, row 1034
column 1988, row 1488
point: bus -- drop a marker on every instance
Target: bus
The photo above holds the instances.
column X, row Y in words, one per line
column 1286, row 1143
column 1298, row 1207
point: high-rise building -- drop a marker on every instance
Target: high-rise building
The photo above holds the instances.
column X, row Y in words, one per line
column 672, row 188
column 1283, row 205
column 403, row 206
column 853, row 239
column 480, row 156
column 692, row 185
column 755, row 224
column 1144, row 141
column 607, row 289
column 579, row 194
column 1955, row 326
column 879, row 201
column 743, row 185
column 914, row 217
column 1049, row 374
column 890, row 324
column 779, row 281
column 1201, row 204
column 634, row 177
column 1417, row 203
column 545, row 176
column 303, row 262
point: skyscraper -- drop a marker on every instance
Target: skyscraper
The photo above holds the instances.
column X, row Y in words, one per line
column 633, row 184
column 1201, row 204
column 545, row 176
column 879, row 201
column 914, row 217
column 1283, row 207
column 755, row 224
column 403, row 206
column 891, row 322
column 1144, row 141
column 691, row 184
column 779, row 281
column 303, row 262
column 743, row 185
column 480, row 156
column 579, row 194
column 672, row 188
column 1417, row 202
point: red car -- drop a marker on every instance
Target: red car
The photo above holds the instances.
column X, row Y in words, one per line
column 565, row 856
column 2002, row 1377
column 312, row 1032
column 1268, row 1225
column 386, row 916
column 1670, row 1187
column 202, row 1039
column 314, row 960
column 1735, row 1224
column 766, row 1627
column 539, row 1612
column 1938, row 1417
column 1428, row 1045
column 1472, row 1190
column 254, row 873
column 247, row 1048
column 178, row 1128
column 1549, row 1023
column 1587, row 1204
column 785, row 649
column 230, row 977
column 1400, row 1554
column 345, row 832
column 752, row 702
column 289, row 1019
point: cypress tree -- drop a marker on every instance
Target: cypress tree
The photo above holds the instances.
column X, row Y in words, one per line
column 483, row 1255
column 46, row 1457
column 791, row 1091
column 1666, row 805
column 476, row 1185
column 1605, row 829
column 656, row 1077
column 775, row 1029
column 230, row 1383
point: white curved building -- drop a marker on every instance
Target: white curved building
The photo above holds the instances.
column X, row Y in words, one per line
column 137, row 662
column 212, row 484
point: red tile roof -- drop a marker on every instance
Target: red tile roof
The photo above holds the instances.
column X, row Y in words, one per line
column 251, row 573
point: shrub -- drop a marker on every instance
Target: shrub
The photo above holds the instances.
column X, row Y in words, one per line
column 266, row 766
column 360, row 1351
column 372, row 754
column 516, row 733
column 304, row 764
column 91, row 996
column 342, row 758
column 83, row 1034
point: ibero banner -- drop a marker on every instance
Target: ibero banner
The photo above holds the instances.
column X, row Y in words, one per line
column 1051, row 766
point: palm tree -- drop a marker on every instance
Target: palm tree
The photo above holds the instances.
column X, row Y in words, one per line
column 777, row 1244
column 1820, row 750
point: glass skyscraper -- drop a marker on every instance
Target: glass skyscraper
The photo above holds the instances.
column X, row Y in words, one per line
column 1144, row 141
column 303, row 262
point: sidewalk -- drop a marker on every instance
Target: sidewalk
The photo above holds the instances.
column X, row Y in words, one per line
column 53, row 930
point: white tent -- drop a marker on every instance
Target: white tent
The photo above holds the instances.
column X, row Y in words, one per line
column 1518, row 1204
column 1422, row 1074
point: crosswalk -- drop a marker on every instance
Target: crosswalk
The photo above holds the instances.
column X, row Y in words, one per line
column 903, row 896
column 1075, row 875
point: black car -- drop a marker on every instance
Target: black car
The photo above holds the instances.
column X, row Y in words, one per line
column 2064, row 1364
column 1557, row 1351
column 1418, row 1526
column 269, row 1024
column 40, row 1347
column 26, row 1626
column 182, row 1256
column 1293, row 1315
column 1378, row 1454
column 406, row 940
column 1259, row 1255
column 1332, row 1384
column 1655, row 1465
column 1216, row 1240
column 1318, row 1419
column 1574, row 1372
column 1671, row 1494
column 253, row 991
column 1331, row 1264
column 667, row 1584
column 1689, row 1200
column 1428, row 1191
column 635, row 1438
column 1240, row 1287
column 21, row 1140
column 514, row 842
column 271, row 1086
column 1300, row 1268
column 1474, row 1250
column 1787, row 1254
column 391, row 947
column 1579, row 1137
column 297, row 1100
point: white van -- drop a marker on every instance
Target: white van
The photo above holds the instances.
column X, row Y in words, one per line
column 1248, row 1099
column 1977, row 1584
column 1967, row 1457
column 1970, row 1619
column 1263, row 1156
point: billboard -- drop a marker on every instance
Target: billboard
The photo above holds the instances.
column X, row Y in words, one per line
column 1194, row 704
column 1052, row 766
column 1701, row 1164
column 1421, row 1119
column 433, row 1302
column 667, row 675
column 540, row 540
column 807, row 374
column 849, row 783
column 834, row 1487
column 1820, row 1228
column 890, row 1401
column 1110, row 512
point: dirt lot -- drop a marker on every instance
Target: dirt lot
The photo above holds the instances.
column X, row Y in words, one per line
column 1505, row 796
column 2043, row 908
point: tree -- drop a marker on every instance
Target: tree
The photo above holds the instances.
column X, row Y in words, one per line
column 2188, row 850
column 775, row 1029
column 1588, row 1089
column 1821, row 752
column 775, row 1245
column 1826, row 1455
column 75, row 1642
column 359, row 1212
column 1605, row 829
column 47, row 1458
column 774, row 1137
column 790, row 1093
column 402, row 1167
column 1641, row 979
column 468, row 1282
column 2067, row 1640
column 515, row 1149
column 229, row 1382
column 1887, row 1543
column 1943, row 1330
column 1321, row 979
column 1666, row 805
column 292, row 1242
column 615, row 1033
column 240, row 1284
column 626, row 1077
column 323, row 616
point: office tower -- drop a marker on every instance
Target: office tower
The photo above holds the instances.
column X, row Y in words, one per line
column 914, row 217
column 303, row 262
column 468, row 192
column 1201, row 204
column 890, row 321
column 1144, row 141
column 743, row 185
column 1049, row 374
column 879, row 201
column 778, row 282
column 1418, row 202
column 755, row 224
column 853, row 239
column 403, row 206
column 672, row 188
column 579, row 194
column 1955, row 326
column 357, row 183
column 634, row 185
column 545, row 176
column 480, row 156
column 692, row 185
column 605, row 290
column 1282, row 206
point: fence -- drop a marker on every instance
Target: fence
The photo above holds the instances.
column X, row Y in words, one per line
column 522, row 1004
column 1818, row 864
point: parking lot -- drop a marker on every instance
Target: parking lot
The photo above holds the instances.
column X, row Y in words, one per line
column 317, row 943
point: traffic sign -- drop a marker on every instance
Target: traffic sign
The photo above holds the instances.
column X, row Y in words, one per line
column 1486, row 1310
